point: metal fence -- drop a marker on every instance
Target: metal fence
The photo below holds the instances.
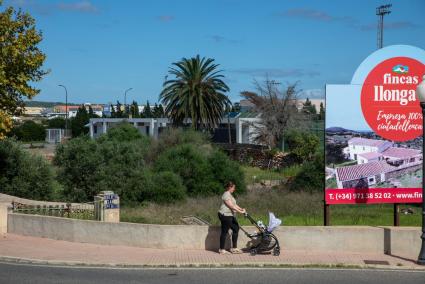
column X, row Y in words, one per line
column 81, row 211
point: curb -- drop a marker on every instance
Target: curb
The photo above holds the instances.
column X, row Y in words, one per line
column 78, row 264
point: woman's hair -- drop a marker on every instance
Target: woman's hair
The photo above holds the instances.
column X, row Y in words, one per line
column 229, row 184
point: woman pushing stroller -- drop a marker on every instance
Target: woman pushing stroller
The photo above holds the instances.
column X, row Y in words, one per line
column 263, row 239
column 226, row 214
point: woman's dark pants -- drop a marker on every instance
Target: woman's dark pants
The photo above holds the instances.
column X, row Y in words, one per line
column 228, row 222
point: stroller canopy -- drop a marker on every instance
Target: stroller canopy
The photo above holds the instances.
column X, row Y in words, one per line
column 273, row 222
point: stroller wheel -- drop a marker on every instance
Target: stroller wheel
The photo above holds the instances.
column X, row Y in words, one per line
column 276, row 251
column 253, row 251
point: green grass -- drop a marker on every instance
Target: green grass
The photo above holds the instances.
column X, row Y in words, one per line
column 295, row 208
column 255, row 175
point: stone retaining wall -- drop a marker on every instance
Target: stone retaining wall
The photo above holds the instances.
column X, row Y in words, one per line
column 403, row 242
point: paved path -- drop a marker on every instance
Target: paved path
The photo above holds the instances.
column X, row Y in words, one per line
column 16, row 248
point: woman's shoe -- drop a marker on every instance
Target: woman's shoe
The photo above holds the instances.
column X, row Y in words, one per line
column 235, row 251
column 223, row 251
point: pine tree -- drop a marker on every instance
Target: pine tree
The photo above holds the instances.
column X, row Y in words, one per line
column 147, row 112
column 155, row 113
column 308, row 107
column 134, row 110
column 113, row 113
column 161, row 111
column 119, row 113
column 322, row 112
column 79, row 121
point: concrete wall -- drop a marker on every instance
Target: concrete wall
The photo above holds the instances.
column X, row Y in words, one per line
column 3, row 217
column 404, row 242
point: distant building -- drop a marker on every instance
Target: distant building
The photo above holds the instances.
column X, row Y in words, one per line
column 242, row 127
column 72, row 110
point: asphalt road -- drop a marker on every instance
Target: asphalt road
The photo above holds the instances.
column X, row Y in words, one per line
column 20, row 273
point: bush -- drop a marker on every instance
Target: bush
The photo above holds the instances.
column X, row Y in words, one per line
column 302, row 145
column 57, row 122
column 225, row 170
column 175, row 136
column 78, row 161
column 29, row 131
column 123, row 132
column 25, row 175
column 311, row 177
column 192, row 166
column 167, row 188
column 88, row 166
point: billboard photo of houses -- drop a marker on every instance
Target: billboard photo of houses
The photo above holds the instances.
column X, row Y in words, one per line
column 357, row 159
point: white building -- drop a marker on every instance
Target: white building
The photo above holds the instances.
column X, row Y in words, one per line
column 358, row 146
column 245, row 127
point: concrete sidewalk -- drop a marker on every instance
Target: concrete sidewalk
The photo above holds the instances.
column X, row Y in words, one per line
column 17, row 248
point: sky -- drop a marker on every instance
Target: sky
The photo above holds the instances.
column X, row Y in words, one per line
column 98, row 49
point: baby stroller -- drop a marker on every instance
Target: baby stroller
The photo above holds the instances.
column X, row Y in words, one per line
column 263, row 239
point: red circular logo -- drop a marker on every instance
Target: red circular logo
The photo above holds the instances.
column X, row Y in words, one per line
column 388, row 99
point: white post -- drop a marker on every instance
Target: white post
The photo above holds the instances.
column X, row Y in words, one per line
column 151, row 127
column 104, row 127
column 238, row 125
column 91, row 130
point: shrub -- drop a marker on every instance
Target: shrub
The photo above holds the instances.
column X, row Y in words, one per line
column 167, row 188
column 302, row 145
column 175, row 136
column 57, row 122
column 192, row 166
column 113, row 162
column 311, row 175
column 25, row 175
column 78, row 161
column 225, row 170
column 29, row 131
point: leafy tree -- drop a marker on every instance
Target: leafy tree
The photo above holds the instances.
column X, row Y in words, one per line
column 5, row 124
column 29, row 131
column 21, row 61
column 302, row 145
column 25, row 175
column 57, row 122
column 197, row 91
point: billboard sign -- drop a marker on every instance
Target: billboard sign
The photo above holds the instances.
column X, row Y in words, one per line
column 374, row 131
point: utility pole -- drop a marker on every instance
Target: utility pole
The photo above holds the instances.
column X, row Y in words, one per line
column 381, row 11
column 66, row 109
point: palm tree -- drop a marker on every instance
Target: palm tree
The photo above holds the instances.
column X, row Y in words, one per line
column 197, row 92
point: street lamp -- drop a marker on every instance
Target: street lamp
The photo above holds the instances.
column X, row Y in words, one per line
column 125, row 98
column 420, row 93
column 66, row 109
